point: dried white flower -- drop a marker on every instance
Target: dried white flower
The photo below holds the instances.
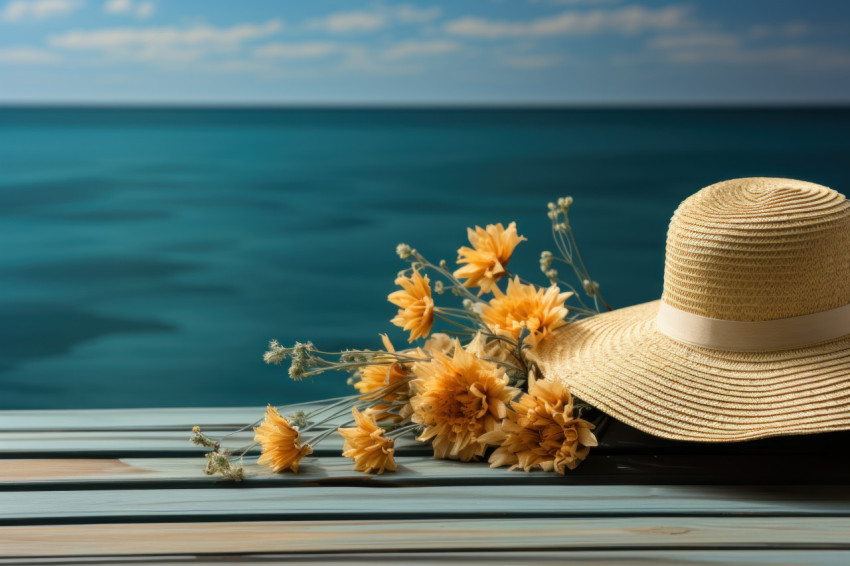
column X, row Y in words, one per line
column 298, row 419
column 590, row 287
column 301, row 358
column 565, row 203
column 275, row 354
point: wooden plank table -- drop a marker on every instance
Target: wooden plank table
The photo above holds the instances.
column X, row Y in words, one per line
column 126, row 486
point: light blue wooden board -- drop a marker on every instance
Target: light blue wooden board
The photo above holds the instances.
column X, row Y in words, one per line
column 124, row 419
column 177, row 442
column 462, row 537
column 470, row 499
column 39, row 474
column 481, row 558
column 434, row 501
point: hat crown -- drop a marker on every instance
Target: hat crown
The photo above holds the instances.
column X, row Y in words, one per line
column 759, row 249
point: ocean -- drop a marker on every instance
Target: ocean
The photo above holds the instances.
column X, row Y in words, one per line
column 150, row 254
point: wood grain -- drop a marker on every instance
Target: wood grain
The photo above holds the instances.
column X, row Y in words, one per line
column 127, row 419
column 422, row 470
column 615, row 435
column 417, row 535
column 26, row 471
column 632, row 557
column 114, row 442
column 450, row 501
column 65, row 475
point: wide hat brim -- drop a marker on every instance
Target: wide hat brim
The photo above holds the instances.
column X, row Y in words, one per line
column 620, row 363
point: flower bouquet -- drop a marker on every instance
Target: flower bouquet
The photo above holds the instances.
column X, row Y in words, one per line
column 471, row 391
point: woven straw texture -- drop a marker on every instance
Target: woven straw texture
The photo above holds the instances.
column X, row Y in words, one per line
column 748, row 250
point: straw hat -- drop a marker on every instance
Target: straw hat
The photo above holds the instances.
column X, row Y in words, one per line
column 751, row 337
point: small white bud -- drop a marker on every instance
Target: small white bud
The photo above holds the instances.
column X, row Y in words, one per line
column 403, row 251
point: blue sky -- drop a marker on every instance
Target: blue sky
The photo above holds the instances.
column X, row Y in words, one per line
column 363, row 52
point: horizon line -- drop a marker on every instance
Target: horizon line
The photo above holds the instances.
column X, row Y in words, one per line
column 425, row 105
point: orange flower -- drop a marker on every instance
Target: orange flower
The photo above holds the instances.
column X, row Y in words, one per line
column 372, row 453
column 281, row 443
column 541, row 431
column 390, row 375
column 379, row 376
column 416, row 307
column 486, row 259
column 539, row 310
column 458, row 399
column 440, row 342
column 492, row 350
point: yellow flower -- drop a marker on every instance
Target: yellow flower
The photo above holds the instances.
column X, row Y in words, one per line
column 372, row 453
column 391, row 375
column 281, row 443
column 541, row 431
column 539, row 310
column 492, row 350
column 486, row 259
column 458, row 399
column 416, row 307
column 440, row 342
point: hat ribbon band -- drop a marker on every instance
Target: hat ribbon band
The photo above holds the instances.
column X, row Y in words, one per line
column 758, row 336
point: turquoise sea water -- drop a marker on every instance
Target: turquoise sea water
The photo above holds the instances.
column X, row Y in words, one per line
column 150, row 254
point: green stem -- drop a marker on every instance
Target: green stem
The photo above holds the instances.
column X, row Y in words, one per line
column 455, row 323
column 395, row 433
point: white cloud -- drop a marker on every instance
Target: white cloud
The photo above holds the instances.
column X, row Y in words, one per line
column 305, row 50
column 118, row 6
column 800, row 56
column 409, row 14
column 788, row 30
column 239, row 66
column 349, row 22
column 369, row 21
column 354, row 57
column 167, row 46
column 626, row 20
column 532, row 61
column 695, row 40
column 575, row 2
column 23, row 55
column 410, row 49
column 145, row 10
column 141, row 10
column 36, row 10
column 729, row 49
column 112, row 38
